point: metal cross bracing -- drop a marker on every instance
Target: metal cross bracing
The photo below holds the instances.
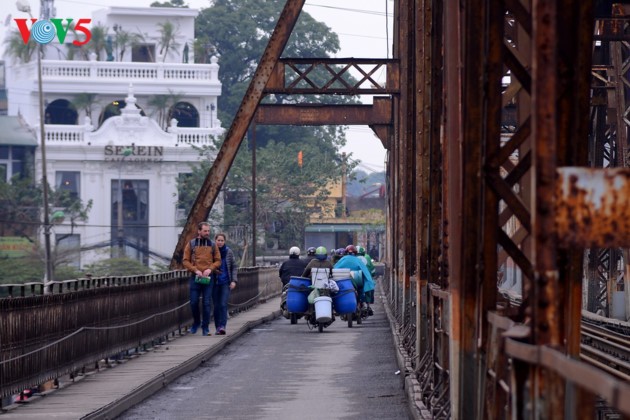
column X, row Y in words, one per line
column 605, row 269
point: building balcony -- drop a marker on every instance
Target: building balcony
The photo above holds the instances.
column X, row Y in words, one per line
column 74, row 135
column 110, row 77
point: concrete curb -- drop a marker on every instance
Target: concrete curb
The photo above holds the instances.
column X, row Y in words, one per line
column 417, row 409
column 161, row 380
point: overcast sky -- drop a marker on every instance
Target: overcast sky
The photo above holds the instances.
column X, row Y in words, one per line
column 361, row 25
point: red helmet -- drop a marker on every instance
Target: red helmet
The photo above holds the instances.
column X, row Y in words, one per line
column 351, row 250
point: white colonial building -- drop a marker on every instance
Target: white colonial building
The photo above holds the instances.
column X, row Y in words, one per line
column 123, row 128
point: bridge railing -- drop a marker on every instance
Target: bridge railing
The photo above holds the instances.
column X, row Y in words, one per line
column 48, row 332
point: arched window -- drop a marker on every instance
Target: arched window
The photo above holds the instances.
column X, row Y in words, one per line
column 113, row 109
column 185, row 114
column 61, row 111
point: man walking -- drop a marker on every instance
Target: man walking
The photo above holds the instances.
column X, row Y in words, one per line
column 201, row 258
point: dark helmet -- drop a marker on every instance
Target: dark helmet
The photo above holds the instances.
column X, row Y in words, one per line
column 321, row 253
column 310, row 251
column 351, row 250
column 340, row 252
column 360, row 250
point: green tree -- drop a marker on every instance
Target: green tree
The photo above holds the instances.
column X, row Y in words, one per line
column 238, row 31
column 172, row 3
column 16, row 49
column 117, row 267
column 21, row 202
column 99, row 40
column 168, row 38
column 122, row 40
column 85, row 101
column 162, row 106
column 286, row 194
column 97, row 43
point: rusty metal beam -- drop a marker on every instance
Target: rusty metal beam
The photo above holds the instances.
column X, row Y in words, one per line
column 466, row 291
column 380, row 113
column 593, row 207
column 244, row 116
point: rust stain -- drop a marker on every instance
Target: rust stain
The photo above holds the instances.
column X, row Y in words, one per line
column 593, row 207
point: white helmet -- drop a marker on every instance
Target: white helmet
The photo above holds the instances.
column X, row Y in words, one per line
column 294, row 250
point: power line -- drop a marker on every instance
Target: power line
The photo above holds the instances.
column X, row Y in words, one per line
column 346, row 9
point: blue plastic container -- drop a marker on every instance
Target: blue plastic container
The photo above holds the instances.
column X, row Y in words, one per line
column 345, row 301
column 297, row 295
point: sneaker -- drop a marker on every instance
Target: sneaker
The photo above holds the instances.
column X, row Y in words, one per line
column 370, row 311
column 193, row 329
column 205, row 331
column 221, row 331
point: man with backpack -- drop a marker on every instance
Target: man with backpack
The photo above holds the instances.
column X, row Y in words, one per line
column 201, row 258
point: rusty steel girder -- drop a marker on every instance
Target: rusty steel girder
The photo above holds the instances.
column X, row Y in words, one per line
column 244, row 116
column 320, row 114
column 593, row 207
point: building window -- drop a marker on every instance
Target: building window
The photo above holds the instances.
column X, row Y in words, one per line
column 68, row 249
column 69, row 181
column 143, row 53
column 185, row 114
column 134, row 220
column 61, row 111
column 12, row 162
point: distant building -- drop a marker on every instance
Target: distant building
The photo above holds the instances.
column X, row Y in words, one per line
column 120, row 129
column 348, row 220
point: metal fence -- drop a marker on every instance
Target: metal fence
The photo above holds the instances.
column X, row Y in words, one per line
column 49, row 332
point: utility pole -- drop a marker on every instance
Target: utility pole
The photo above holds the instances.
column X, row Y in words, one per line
column 253, row 133
column 46, row 12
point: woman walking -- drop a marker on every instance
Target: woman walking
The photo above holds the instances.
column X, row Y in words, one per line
column 226, row 280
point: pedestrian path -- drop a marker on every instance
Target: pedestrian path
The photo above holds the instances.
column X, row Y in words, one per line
column 106, row 394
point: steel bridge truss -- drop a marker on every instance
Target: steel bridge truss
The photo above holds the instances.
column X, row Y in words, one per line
column 504, row 200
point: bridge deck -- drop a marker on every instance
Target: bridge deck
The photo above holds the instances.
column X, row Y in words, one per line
column 111, row 391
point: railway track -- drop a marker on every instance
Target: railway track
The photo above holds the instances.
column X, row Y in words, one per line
column 606, row 349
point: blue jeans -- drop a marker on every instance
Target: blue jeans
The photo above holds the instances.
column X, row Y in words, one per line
column 205, row 292
column 220, row 296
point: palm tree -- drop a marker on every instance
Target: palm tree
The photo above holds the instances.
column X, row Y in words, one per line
column 139, row 39
column 17, row 49
column 85, row 101
column 123, row 40
column 168, row 38
column 99, row 39
column 162, row 105
column 96, row 44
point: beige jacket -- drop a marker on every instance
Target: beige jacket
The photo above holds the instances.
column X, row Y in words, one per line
column 202, row 256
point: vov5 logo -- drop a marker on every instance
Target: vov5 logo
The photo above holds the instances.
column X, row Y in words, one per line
column 43, row 31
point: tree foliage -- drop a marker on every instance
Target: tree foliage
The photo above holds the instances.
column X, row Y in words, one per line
column 117, row 267
column 21, row 203
column 238, row 31
column 172, row 3
column 17, row 50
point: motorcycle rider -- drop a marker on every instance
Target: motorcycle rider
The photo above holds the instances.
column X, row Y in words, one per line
column 367, row 259
column 320, row 262
column 337, row 254
column 293, row 267
column 351, row 261
column 310, row 254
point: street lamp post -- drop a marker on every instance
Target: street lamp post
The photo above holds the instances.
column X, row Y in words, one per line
column 23, row 6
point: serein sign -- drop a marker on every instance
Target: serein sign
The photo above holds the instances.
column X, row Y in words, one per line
column 44, row 31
